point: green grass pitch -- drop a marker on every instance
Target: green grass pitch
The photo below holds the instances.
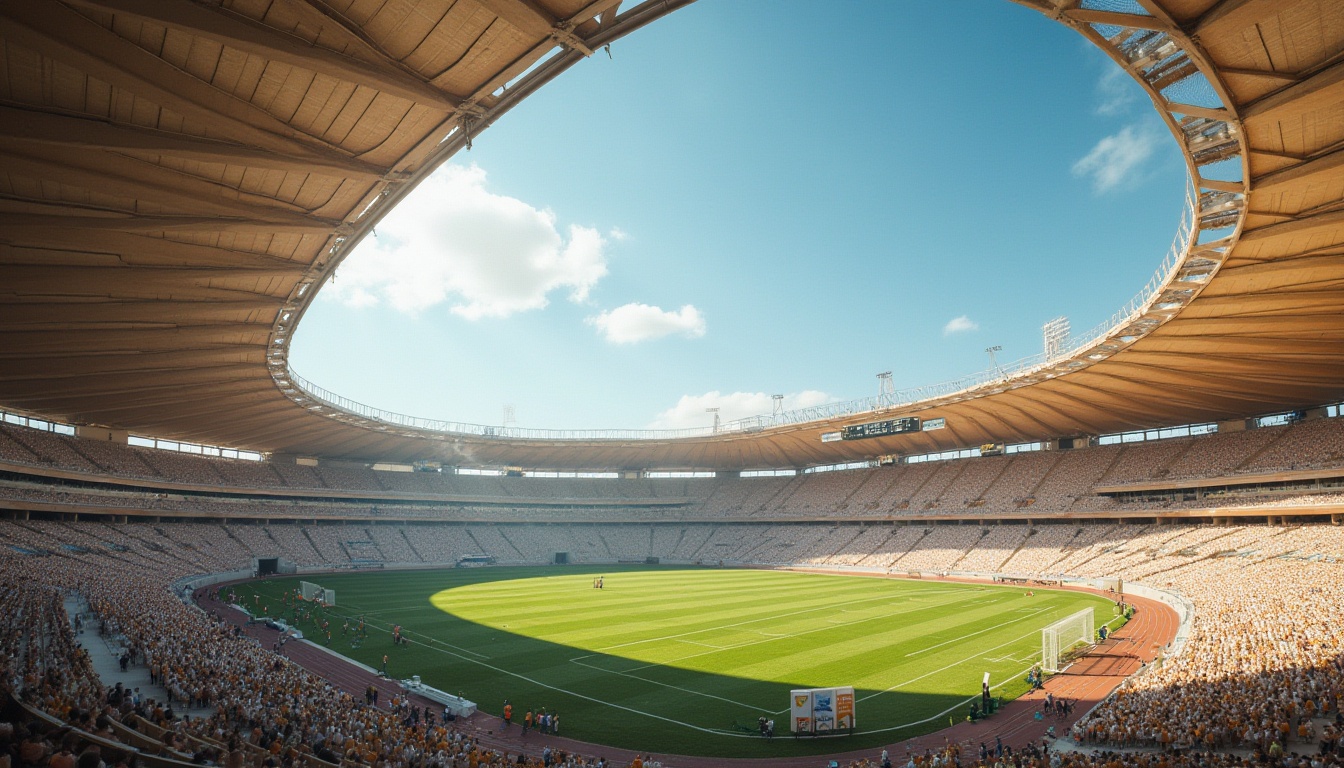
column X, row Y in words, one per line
column 679, row 660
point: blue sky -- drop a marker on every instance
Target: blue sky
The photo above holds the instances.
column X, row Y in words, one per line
column 749, row 199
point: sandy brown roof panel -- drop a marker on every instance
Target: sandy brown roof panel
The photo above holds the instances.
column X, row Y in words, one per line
column 175, row 179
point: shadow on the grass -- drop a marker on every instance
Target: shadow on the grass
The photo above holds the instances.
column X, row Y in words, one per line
column 607, row 698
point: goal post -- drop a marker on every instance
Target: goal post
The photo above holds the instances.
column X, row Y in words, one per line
column 314, row 592
column 1058, row 639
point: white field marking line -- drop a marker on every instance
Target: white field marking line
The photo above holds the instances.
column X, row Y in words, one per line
column 701, row 729
column 943, row 591
column 936, row 671
column 406, row 633
column 666, row 685
column 1011, row 658
column 594, row 699
column 749, row 621
column 973, row 634
column 949, row 666
column 689, row 642
column 767, row 640
column 952, row 708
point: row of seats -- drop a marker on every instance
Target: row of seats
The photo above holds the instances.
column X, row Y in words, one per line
column 78, row 499
column 1044, row 482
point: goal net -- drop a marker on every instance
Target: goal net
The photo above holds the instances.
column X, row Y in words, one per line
column 309, row 591
column 1058, row 639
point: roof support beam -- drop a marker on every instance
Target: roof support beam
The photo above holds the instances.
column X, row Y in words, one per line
column 61, row 33
column 1227, row 385
column 167, row 422
column 20, row 345
column 1127, row 20
column 1231, row 14
column 1318, row 164
column 68, row 131
column 235, row 31
column 531, row 18
column 524, row 15
column 96, row 366
column 1283, row 77
column 1164, row 400
column 11, row 223
column 137, row 250
column 1222, row 186
column 129, row 383
column 318, row 13
column 81, row 314
column 1213, row 113
column 604, row 8
column 1295, row 98
column 1059, row 416
column 164, row 193
column 1317, row 221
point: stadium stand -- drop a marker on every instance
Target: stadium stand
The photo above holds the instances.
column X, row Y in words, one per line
column 1255, row 680
column 1036, row 483
column 1039, row 483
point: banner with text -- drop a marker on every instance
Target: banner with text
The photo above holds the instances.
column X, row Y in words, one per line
column 822, row 710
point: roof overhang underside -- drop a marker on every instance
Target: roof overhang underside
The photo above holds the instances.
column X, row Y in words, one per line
column 177, row 179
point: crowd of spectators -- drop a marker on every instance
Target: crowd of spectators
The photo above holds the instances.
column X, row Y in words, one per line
column 1264, row 669
column 1266, row 660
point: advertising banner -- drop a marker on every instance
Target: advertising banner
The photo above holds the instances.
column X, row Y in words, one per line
column 800, row 710
column 823, row 709
column 844, row 708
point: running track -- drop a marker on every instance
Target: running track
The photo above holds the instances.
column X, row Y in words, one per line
column 1086, row 683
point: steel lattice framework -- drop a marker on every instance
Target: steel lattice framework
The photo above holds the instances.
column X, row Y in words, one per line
column 177, row 179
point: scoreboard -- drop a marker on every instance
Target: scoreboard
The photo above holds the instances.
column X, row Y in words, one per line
column 880, row 428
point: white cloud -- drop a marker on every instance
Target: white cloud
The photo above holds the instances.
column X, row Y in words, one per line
column 690, row 409
column 1118, row 158
column 487, row 255
column 1117, row 91
column 633, row 323
column 961, row 324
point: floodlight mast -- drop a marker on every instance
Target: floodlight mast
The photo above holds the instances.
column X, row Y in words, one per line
column 714, row 411
column 1056, row 336
column 885, row 387
column 993, row 363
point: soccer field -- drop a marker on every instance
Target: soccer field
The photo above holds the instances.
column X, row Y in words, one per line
column 685, row 660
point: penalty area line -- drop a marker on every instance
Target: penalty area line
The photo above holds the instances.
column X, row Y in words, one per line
column 973, row 634
column 985, row 654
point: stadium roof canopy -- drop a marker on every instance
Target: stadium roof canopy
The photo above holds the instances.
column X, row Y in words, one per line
column 178, row 178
